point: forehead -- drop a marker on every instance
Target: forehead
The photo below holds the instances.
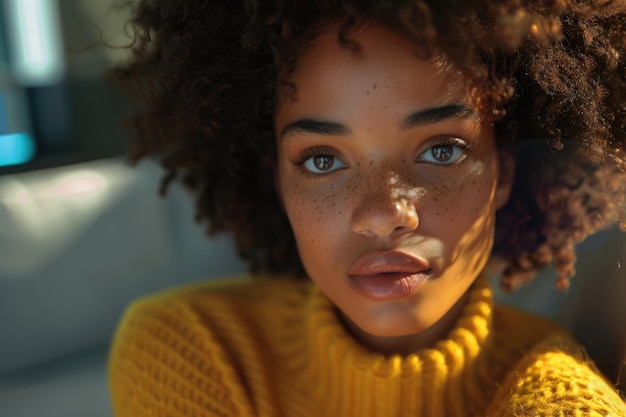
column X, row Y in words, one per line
column 386, row 64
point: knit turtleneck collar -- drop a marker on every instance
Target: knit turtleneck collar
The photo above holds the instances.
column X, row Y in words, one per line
column 448, row 379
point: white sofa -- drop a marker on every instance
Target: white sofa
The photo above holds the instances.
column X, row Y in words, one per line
column 77, row 244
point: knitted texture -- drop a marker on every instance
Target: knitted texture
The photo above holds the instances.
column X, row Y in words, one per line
column 268, row 347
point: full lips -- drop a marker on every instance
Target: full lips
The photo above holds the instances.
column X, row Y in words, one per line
column 388, row 275
column 386, row 286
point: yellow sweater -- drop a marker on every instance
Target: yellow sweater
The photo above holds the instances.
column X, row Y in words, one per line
column 271, row 348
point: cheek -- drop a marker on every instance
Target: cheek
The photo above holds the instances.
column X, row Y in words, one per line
column 465, row 228
column 315, row 218
column 464, row 200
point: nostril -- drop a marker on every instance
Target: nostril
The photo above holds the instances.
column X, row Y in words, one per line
column 409, row 221
column 393, row 218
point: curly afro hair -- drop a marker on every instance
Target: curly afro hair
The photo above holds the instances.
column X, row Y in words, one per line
column 549, row 74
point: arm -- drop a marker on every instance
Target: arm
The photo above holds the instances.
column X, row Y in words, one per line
column 556, row 379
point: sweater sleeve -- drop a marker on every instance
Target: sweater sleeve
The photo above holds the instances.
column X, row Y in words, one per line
column 165, row 362
column 556, row 379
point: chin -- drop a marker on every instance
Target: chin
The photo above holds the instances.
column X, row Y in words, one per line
column 391, row 327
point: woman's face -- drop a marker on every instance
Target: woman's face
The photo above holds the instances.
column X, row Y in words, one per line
column 389, row 179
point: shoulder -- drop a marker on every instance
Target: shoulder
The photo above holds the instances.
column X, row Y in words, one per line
column 213, row 305
column 210, row 307
column 178, row 348
column 552, row 376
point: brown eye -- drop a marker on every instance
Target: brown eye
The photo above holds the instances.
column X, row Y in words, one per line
column 451, row 151
column 442, row 153
column 322, row 164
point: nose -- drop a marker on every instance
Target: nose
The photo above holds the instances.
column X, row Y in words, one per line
column 385, row 212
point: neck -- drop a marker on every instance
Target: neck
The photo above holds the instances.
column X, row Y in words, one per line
column 455, row 377
column 407, row 344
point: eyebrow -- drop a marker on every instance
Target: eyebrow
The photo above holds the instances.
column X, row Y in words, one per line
column 437, row 114
column 423, row 117
column 315, row 126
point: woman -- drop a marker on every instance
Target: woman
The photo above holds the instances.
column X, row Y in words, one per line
column 379, row 151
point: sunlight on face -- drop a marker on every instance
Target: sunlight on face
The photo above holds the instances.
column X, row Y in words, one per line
column 390, row 183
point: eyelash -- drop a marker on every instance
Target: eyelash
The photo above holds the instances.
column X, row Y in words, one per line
column 309, row 153
column 448, row 141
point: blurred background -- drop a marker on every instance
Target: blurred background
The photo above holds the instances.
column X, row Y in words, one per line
column 82, row 233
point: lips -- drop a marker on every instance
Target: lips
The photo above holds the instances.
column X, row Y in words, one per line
column 388, row 275
column 387, row 262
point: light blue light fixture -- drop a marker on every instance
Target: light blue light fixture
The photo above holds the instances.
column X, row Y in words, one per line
column 16, row 148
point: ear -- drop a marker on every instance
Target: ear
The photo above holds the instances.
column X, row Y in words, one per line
column 506, row 177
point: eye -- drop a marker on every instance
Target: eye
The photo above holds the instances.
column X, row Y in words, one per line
column 448, row 152
column 322, row 164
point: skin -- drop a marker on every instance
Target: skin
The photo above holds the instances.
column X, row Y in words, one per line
column 355, row 178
